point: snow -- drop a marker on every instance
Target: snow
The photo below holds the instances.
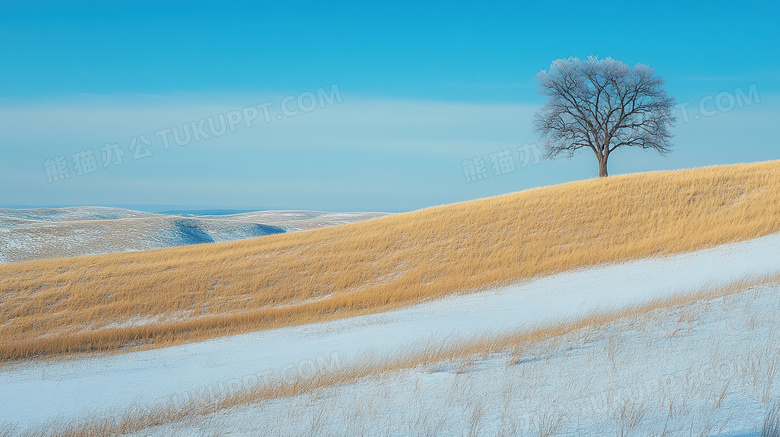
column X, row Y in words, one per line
column 300, row 220
column 34, row 392
column 74, row 213
column 701, row 369
column 29, row 234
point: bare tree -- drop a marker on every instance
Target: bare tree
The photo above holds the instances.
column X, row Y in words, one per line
column 602, row 104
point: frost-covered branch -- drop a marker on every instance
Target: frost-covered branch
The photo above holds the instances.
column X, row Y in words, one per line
column 603, row 104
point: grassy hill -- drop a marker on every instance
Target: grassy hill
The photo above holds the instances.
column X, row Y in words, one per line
column 162, row 297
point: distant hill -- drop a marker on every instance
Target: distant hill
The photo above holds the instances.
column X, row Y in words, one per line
column 41, row 233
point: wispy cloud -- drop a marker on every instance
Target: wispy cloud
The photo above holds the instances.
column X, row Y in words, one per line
column 406, row 152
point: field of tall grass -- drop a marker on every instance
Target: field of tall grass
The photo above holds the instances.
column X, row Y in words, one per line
column 117, row 302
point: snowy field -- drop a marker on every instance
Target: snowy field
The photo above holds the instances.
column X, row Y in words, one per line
column 36, row 392
column 700, row 370
column 29, row 234
column 292, row 221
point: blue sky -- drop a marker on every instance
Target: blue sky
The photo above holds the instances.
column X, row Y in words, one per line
column 421, row 87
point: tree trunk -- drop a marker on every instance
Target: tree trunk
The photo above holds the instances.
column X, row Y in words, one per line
column 603, row 168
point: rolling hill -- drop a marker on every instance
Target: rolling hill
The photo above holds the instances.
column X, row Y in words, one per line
column 42, row 233
column 159, row 298
column 642, row 304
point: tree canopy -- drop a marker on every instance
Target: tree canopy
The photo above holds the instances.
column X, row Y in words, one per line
column 603, row 104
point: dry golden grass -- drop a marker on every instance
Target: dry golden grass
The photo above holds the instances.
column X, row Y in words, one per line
column 158, row 298
column 137, row 419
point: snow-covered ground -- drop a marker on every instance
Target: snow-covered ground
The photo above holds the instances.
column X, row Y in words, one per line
column 29, row 234
column 35, row 392
column 300, row 220
column 74, row 213
column 698, row 370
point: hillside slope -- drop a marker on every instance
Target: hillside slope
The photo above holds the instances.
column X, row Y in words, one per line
column 158, row 298
column 36, row 392
column 74, row 213
column 704, row 368
column 300, row 220
column 43, row 233
column 25, row 240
